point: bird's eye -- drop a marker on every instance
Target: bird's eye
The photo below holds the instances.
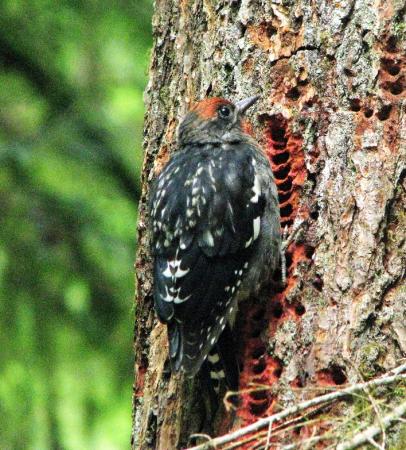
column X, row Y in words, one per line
column 224, row 111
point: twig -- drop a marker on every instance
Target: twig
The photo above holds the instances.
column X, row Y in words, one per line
column 375, row 406
column 261, row 445
column 205, row 436
column 268, row 435
column 314, row 439
column 245, row 441
column 254, row 387
column 375, row 444
column 348, row 420
column 286, row 241
column 386, row 379
column 305, row 445
column 311, row 440
column 368, row 434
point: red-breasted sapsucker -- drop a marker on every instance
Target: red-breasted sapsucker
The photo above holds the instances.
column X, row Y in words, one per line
column 215, row 232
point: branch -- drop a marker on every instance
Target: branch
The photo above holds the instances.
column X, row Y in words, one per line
column 388, row 378
column 373, row 430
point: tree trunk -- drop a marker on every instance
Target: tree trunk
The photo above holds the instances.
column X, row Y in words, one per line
column 332, row 120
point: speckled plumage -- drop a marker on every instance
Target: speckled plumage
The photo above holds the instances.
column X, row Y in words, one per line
column 214, row 229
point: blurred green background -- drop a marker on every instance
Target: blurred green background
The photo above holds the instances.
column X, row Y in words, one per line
column 72, row 74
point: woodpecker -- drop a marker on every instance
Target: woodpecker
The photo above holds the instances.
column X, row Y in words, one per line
column 215, row 231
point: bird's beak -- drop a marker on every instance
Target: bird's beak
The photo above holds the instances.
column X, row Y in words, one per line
column 244, row 104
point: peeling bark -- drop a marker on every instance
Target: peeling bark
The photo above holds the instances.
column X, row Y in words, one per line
column 332, row 120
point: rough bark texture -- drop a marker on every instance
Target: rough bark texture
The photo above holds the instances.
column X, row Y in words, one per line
column 332, row 119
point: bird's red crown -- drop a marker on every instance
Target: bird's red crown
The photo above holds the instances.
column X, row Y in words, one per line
column 207, row 108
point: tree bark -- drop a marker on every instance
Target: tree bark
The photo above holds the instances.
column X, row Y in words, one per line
column 332, row 120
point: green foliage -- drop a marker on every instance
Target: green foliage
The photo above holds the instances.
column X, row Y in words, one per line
column 71, row 81
column 363, row 413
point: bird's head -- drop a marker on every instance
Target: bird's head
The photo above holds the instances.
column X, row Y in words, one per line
column 214, row 120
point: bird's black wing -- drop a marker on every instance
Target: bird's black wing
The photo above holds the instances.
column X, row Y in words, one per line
column 206, row 209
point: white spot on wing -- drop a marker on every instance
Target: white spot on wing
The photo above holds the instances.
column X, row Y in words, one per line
column 173, row 269
column 171, row 297
column 168, row 297
column 213, row 358
column 257, row 190
column 217, row 375
column 208, row 238
column 212, row 177
column 257, row 226
column 178, row 300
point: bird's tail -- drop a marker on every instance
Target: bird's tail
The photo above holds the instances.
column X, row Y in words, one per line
column 184, row 348
column 221, row 364
column 175, row 345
